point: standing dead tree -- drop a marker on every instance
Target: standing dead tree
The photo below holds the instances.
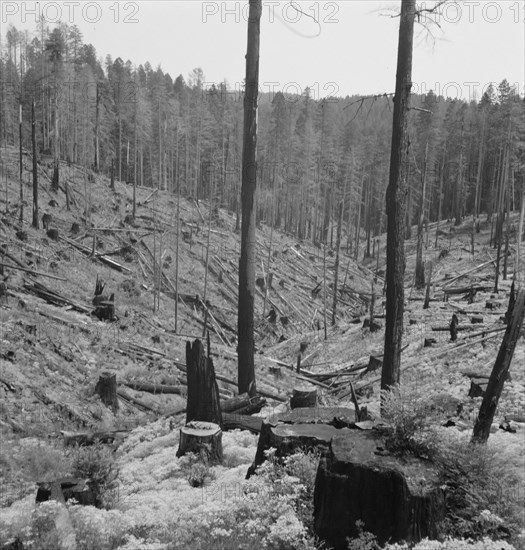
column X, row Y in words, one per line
column 245, row 329
column 396, row 201
column 515, row 314
column 203, row 391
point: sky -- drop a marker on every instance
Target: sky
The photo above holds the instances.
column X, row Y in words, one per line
column 337, row 48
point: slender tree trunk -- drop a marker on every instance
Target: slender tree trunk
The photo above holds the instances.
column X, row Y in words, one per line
column 56, row 147
column 245, row 331
column 420, row 268
column 35, row 167
column 477, row 199
column 177, row 180
column 21, row 175
column 396, row 201
column 440, row 198
column 210, row 216
column 337, row 249
column 517, row 271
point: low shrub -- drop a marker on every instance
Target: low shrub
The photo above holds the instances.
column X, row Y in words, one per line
column 96, row 462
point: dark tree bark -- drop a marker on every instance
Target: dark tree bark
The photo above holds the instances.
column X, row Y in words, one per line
column 246, row 344
column 106, row 388
column 203, row 392
column 499, row 373
column 396, row 201
column 35, row 167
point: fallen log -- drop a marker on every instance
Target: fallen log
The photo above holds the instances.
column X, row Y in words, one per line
column 33, row 272
column 235, row 421
column 156, row 388
column 138, row 402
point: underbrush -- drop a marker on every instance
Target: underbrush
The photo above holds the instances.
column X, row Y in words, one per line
column 484, row 496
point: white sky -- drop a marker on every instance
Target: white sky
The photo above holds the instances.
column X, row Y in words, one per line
column 352, row 50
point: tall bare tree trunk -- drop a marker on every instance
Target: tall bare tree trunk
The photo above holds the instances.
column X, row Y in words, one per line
column 35, row 166
column 420, row 268
column 246, row 343
column 21, row 216
column 396, row 201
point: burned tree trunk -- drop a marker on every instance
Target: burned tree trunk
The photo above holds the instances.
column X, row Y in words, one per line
column 396, row 201
column 499, row 373
column 106, row 388
column 453, row 327
column 246, row 345
column 203, row 391
column 35, row 167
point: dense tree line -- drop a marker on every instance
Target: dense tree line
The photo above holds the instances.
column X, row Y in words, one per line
column 317, row 158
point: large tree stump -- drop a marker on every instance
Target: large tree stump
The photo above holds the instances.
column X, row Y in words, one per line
column 203, row 391
column 304, row 395
column 301, row 428
column 203, row 439
column 397, row 499
column 106, row 388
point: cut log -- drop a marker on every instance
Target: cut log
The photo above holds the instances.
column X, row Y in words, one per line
column 106, row 388
column 235, row 403
column 429, row 342
column 156, row 388
column 254, row 406
column 235, row 421
column 304, row 395
column 396, row 499
column 339, row 417
column 203, row 439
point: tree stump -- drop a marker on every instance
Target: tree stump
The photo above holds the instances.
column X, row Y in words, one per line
column 396, row 498
column 304, row 395
column 453, row 327
column 52, row 234
column 106, row 388
column 201, row 438
column 302, row 428
column 203, row 391
column 276, row 371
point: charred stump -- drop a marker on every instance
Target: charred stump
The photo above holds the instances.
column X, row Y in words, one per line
column 106, row 388
column 203, row 391
column 453, row 327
